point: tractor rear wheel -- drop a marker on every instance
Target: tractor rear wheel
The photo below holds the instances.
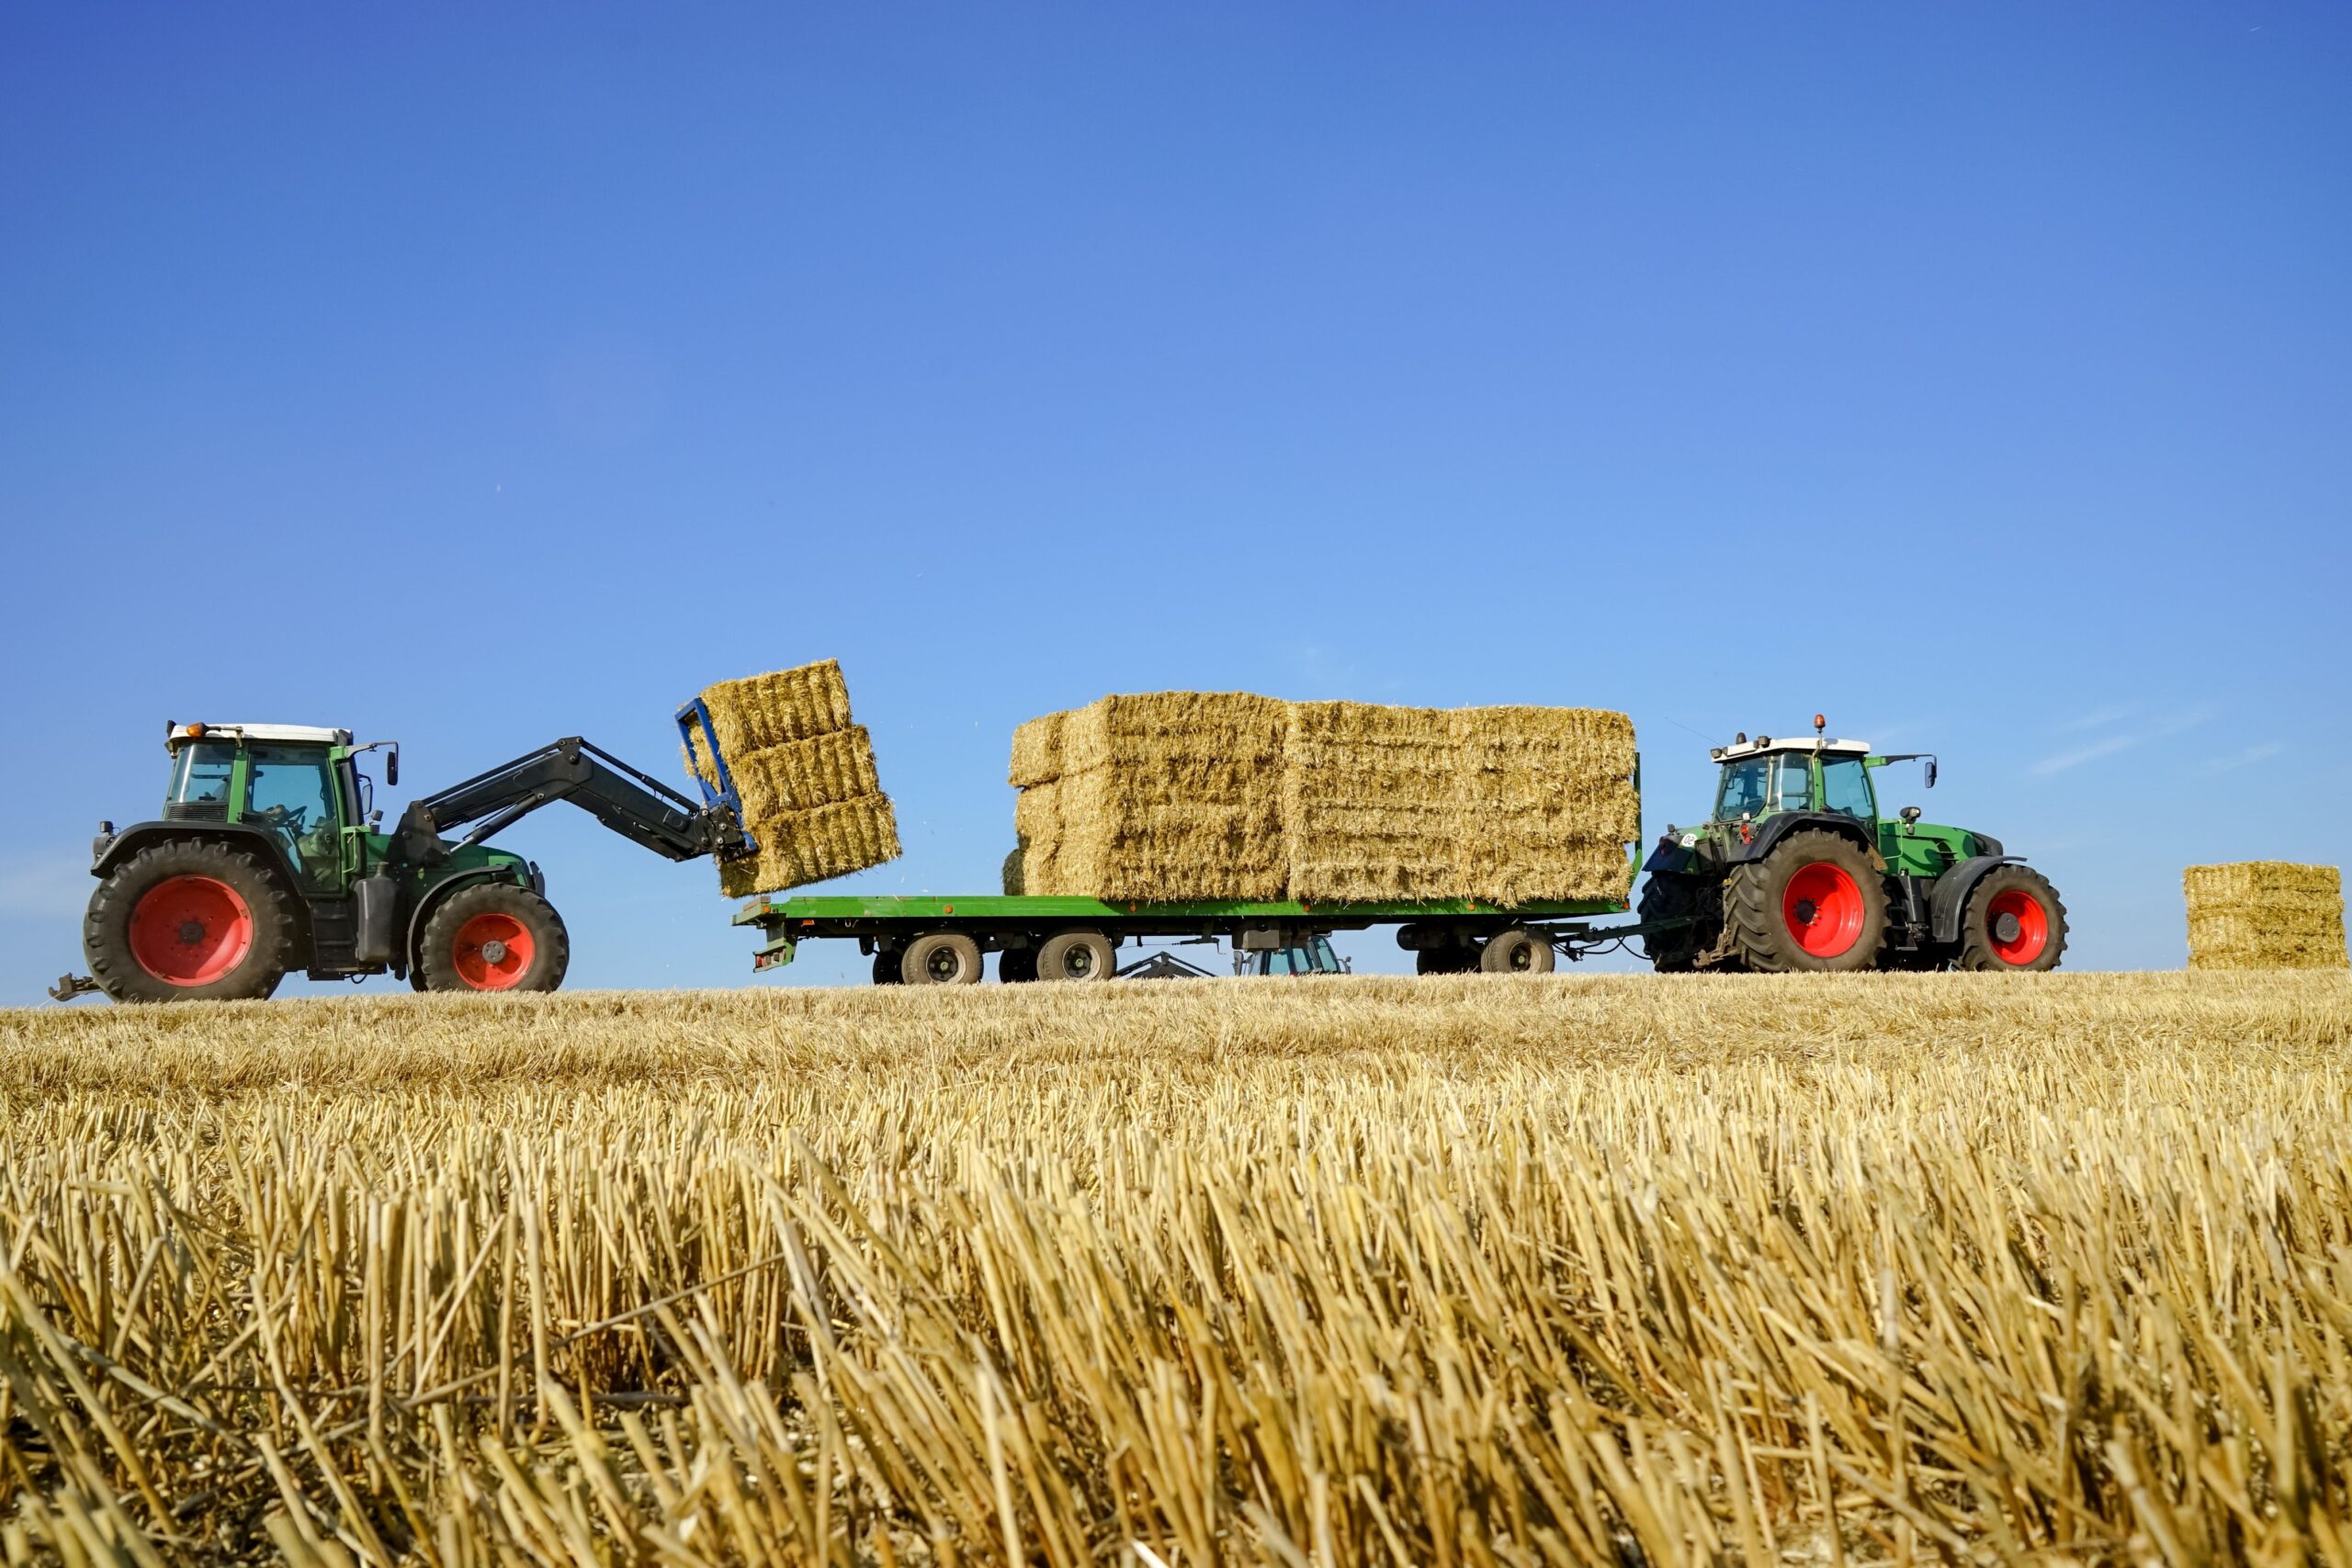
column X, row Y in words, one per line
column 191, row 920
column 941, row 958
column 1077, row 955
column 1815, row 904
column 494, row 936
column 1669, row 897
column 2013, row 920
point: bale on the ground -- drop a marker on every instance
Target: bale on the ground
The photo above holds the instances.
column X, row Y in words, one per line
column 2265, row 915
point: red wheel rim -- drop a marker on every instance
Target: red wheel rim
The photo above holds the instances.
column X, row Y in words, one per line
column 2033, row 926
column 1823, row 908
column 492, row 951
column 190, row 931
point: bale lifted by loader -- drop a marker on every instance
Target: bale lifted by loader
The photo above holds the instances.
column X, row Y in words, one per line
column 268, row 858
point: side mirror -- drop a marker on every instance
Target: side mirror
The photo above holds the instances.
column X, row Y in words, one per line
column 393, row 765
column 1931, row 772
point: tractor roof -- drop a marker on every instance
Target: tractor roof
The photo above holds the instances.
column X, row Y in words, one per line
column 1764, row 743
column 297, row 734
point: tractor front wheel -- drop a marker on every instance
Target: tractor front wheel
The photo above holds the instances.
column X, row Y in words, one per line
column 1814, row 904
column 2013, row 920
column 494, row 936
column 190, row 920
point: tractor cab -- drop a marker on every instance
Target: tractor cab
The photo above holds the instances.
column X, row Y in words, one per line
column 295, row 783
column 1769, row 777
column 1310, row 953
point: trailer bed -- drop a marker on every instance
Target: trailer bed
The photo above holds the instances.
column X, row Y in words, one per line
column 997, row 920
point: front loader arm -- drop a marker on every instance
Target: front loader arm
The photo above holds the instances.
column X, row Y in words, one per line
column 631, row 803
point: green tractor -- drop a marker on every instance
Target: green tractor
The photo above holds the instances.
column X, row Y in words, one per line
column 1797, row 869
column 267, row 857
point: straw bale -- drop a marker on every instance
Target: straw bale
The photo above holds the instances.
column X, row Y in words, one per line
column 1173, row 726
column 1037, row 750
column 799, row 847
column 776, row 709
column 2265, row 915
column 805, row 775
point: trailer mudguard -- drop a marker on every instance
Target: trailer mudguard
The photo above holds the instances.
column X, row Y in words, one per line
column 1950, row 894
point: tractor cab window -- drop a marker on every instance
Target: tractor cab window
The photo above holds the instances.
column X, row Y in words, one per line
column 1846, row 788
column 1746, row 784
column 200, row 773
column 290, row 796
column 1794, row 791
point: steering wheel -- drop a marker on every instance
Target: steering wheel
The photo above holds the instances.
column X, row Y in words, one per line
column 290, row 819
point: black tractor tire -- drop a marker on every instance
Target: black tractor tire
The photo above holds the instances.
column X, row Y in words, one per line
column 1669, row 896
column 493, row 936
column 1815, row 905
column 1016, row 965
column 1462, row 960
column 1517, row 951
column 941, row 958
column 886, row 962
column 190, row 920
column 1077, row 955
column 2014, row 921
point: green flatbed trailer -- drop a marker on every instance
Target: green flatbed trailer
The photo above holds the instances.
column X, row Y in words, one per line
column 928, row 940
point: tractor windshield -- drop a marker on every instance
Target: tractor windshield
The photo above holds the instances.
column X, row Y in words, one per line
column 1747, row 789
column 200, row 773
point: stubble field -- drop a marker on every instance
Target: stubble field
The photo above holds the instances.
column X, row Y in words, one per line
column 1624, row 1268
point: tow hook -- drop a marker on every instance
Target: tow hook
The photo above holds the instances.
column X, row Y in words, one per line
column 68, row 986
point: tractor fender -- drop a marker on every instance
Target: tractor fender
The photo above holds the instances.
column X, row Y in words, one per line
column 1950, row 894
column 141, row 834
column 1772, row 829
column 412, row 947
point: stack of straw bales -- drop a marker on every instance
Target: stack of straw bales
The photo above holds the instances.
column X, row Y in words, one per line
column 2264, row 914
column 1176, row 794
column 1189, row 795
column 805, row 775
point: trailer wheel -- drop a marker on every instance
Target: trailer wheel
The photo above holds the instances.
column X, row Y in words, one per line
column 886, row 966
column 1076, row 955
column 1461, row 960
column 1516, row 951
column 941, row 958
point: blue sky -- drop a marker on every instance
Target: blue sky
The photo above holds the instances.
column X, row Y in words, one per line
column 479, row 375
